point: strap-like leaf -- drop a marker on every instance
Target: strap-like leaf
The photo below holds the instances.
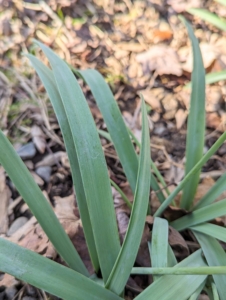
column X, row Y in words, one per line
column 201, row 215
column 217, row 189
column 46, row 75
column 38, row 204
column 47, row 275
column 197, row 167
column 91, row 161
column 128, row 253
column 215, row 231
column 196, row 121
column 179, row 287
column 209, row 17
column 215, row 256
column 159, row 244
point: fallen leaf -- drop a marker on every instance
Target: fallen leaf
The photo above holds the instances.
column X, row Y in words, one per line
column 38, row 138
column 160, row 58
column 182, row 5
column 180, row 117
column 52, row 159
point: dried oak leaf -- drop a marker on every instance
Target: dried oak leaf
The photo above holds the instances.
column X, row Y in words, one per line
column 160, row 58
column 181, row 5
column 178, row 243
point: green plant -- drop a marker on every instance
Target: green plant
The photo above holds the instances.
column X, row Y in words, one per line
column 92, row 186
column 218, row 22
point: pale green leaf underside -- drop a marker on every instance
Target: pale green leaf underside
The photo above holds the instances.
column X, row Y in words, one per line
column 215, row 231
column 47, row 275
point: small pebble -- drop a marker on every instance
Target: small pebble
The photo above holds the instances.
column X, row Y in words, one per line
column 27, row 151
column 19, row 222
column 10, row 292
column 44, row 172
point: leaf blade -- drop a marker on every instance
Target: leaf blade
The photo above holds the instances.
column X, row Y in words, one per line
column 48, row 275
column 196, row 121
column 127, row 255
column 91, row 160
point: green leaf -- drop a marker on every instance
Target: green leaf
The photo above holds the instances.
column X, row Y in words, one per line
column 116, row 127
column 209, row 17
column 126, row 200
column 91, row 162
column 46, row 75
column 198, row 291
column 212, row 78
column 201, row 215
column 114, row 121
column 215, row 256
column 38, row 205
column 215, row 231
column 159, row 244
column 215, row 293
column 217, row 189
column 196, row 121
column 47, row 275
column 178, row 287
column 128, row 253
column 197, row 167
column 171, row 258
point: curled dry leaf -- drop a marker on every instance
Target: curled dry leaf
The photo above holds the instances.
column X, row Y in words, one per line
column 182, row 5
column 160, row 58
column 38, row 138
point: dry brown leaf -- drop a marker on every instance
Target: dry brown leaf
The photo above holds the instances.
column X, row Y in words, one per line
column 178, row 243
column 160, row 58
column 209, row 54
column 8, row 281
column 180, row 116
column 38, row 138
column 213, row 120
column 182, row 5
column 5, row 195
column 52, row 159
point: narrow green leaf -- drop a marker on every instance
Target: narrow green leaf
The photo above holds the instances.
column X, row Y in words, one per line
column 201, row 215
column 38, row 205
column 46, row 75
column 212, row 78
column 159, row 244
column 114, row 121
column 215, row 256
column 171, row 258
column 198, row 291
column 208, row 17
column 47, row 275
column 116, row 127
column 215, row 231
column 215, row 293
column 179, row 287
column 197, row 167
column 196, row 121
column 91, row 162
column 128, row 253
column 129, row 204
column 217, row 189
